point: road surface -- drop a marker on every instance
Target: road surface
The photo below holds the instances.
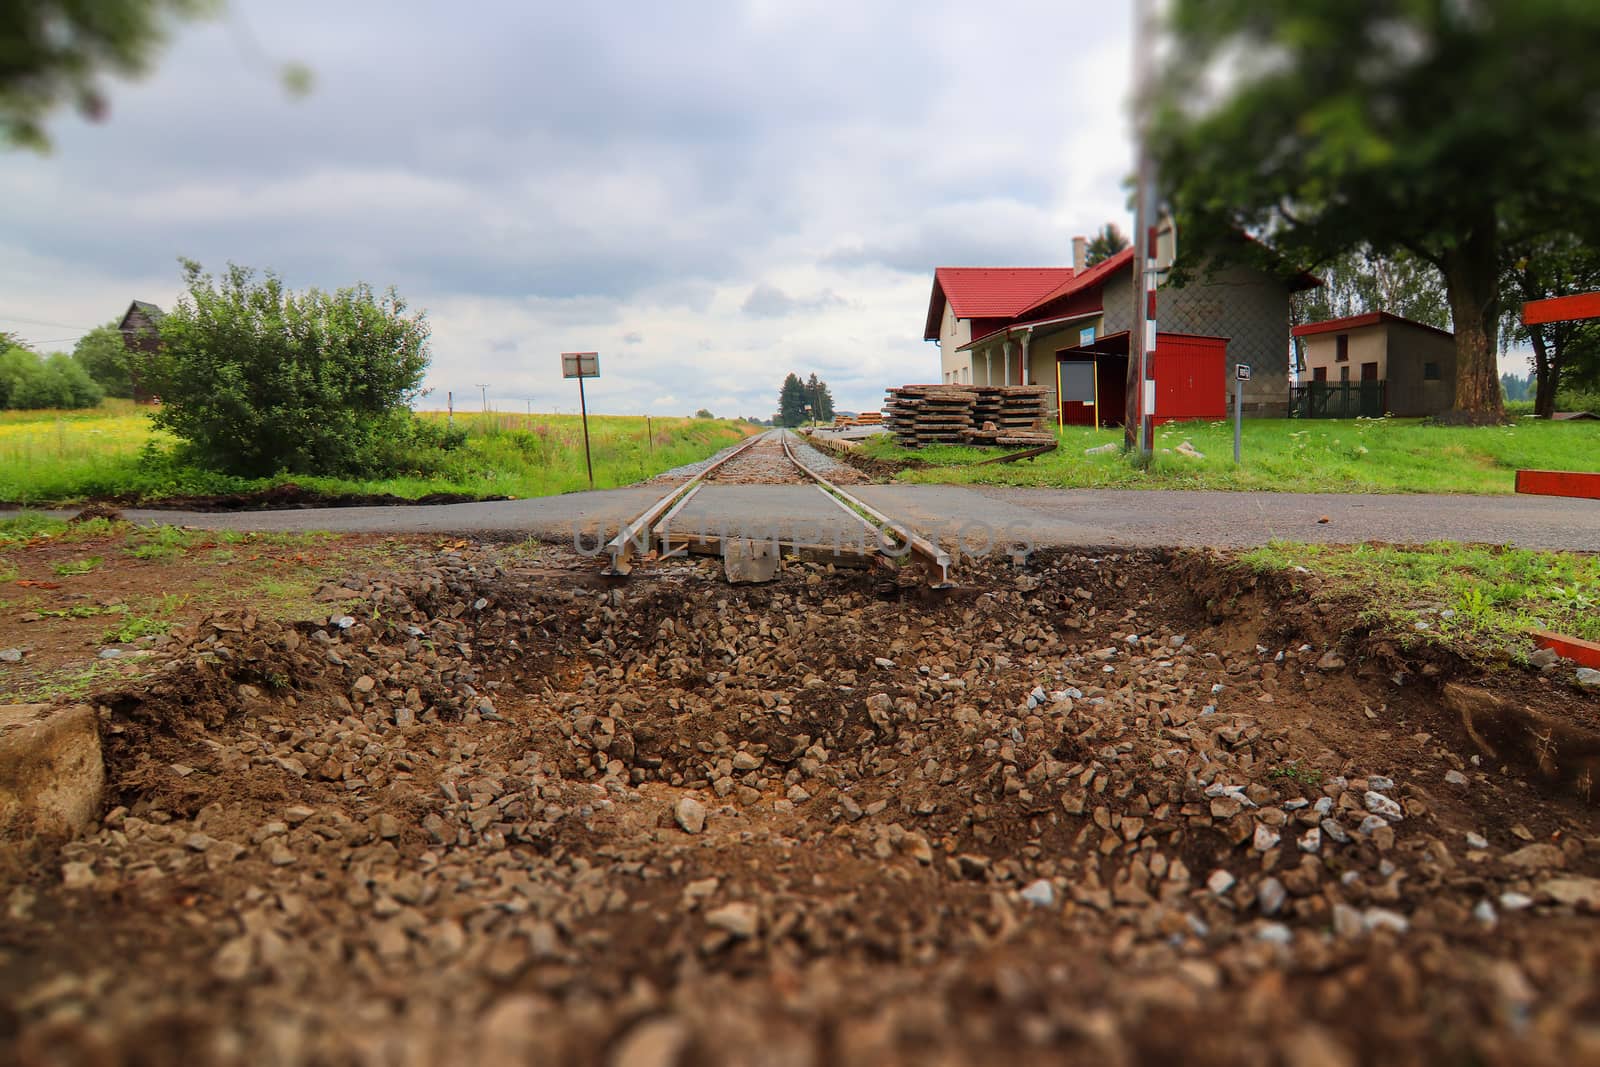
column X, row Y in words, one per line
column 1044, row 516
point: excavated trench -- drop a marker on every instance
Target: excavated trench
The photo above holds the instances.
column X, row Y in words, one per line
column 1120, row 807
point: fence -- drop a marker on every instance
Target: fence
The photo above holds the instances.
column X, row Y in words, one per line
column 1338, row 400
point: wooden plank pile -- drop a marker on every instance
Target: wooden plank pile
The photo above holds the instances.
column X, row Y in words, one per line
column 984, row 415
column 866, row 418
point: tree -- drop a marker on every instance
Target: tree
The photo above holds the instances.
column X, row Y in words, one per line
column 1558, row 265
column 107, row 360
column 27, row 381
column 818, row 396
column 704, row 413
column 52, row 51
column 257, row 379
column 1516, row 387
column 1105, row 244
column 1433, row 141
column 792, row 401
column 1362, row 281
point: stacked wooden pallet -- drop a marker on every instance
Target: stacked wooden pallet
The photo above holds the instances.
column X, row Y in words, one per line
column 929, row 414
column 967, row 414
column 866, row 418
column 1009, row 415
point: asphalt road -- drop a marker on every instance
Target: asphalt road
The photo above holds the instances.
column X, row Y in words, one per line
column 1042, row 516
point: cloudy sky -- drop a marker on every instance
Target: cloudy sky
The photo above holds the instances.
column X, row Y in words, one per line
column 710, row 194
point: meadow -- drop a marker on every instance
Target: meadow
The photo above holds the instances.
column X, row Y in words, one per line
column 112, row 453
column 1287, row 455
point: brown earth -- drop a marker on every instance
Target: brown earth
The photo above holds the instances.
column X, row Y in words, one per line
column 509, row 813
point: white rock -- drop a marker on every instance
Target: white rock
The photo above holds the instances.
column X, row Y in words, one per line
column 1347, row 921
column 1040, row 893
column 1379, row 804
column 1311, row 840
column 1477, row 841
column 1384, row 919
column 1484, row 913
column 740, row 919
column 1266, row 838
column 1270, row 896
column 690, row 814
column 1220, row 881
column 1455, row 777
column 1380, row 783
column 1588, row 677
column 1513, row 901
column 1274, row 933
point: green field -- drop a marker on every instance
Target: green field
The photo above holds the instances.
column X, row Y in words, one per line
column 54, row 457
column 1286, row 455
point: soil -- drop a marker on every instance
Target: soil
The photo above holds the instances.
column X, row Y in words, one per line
column 878, row 470
column 506, row 812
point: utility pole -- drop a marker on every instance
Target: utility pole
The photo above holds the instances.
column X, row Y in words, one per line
column 485, row 390
column 1138, row 420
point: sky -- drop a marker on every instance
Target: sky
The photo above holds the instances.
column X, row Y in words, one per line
column 709, row 194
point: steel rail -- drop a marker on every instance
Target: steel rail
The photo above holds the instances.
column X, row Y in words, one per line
column 622, row 547
column 936, row 559
column 642, row 530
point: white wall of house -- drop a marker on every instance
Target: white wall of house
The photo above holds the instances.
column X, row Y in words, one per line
column 956, row 367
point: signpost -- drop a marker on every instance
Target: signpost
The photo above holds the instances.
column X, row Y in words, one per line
column 1241, row 374
column 581, row 365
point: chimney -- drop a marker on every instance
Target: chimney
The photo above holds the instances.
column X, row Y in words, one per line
column 1080, row 253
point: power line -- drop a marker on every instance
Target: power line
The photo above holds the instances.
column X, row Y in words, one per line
column 46, row 322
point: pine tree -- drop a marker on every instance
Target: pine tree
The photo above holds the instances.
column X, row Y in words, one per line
column 792, row 401
column 819, row 397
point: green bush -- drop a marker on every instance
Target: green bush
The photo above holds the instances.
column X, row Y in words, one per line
column 27, row 381
column 256, row 379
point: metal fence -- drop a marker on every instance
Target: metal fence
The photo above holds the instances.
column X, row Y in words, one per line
column 1338, row 400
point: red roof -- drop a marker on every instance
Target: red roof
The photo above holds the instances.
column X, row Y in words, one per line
column 1095, row 275
column 1356, row 322
column 989, row 292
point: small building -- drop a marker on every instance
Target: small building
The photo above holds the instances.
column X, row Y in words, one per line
column 1372, row 365
column 1067, row 328
column 141, row 335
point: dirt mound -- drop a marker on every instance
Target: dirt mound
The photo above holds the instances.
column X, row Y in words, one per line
column 1120, row 808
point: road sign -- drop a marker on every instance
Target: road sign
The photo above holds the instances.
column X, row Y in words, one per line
column 1241, row 372
column 580, row 364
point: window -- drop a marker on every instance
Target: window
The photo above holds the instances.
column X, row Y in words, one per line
column 1341, row 348
column 1344, row 373
column 1430, row 372
column 1319, row 374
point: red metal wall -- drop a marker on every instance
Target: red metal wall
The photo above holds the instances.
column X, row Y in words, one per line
column 1191, row 377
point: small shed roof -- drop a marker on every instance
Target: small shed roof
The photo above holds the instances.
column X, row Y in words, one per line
column 1356, row 322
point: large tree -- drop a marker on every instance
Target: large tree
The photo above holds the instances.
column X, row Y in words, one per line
column 1455, row 131
column 820, row 397
column 1362, row 281
column 792, row 401
column 55, row 51
column 1563, row 352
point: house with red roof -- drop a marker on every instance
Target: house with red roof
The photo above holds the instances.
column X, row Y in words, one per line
column 1373, row 365
column 1067, row 328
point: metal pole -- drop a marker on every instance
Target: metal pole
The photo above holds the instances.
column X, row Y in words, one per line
column 583, row 404
column 1238, row 416
column 450, row 402
column 1142, row 330
column 485, row 390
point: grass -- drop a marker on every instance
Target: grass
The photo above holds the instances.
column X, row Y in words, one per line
column 1286, row 455
column 56, row 457
column 1481, row 597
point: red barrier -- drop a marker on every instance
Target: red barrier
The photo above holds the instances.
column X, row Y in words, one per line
column 1559, row 483
column 1584, row 653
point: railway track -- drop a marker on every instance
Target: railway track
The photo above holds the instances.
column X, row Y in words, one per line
column 771, row 459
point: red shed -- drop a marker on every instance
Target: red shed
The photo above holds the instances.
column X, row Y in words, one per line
column 1190, row 372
